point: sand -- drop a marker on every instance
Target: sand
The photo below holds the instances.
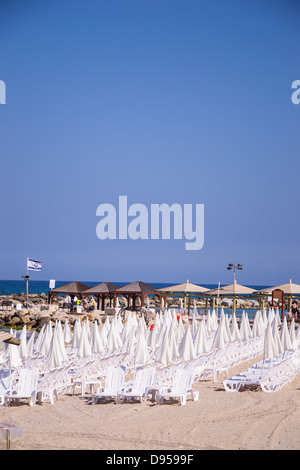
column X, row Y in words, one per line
column 220, row 420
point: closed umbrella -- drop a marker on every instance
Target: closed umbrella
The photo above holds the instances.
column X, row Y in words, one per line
column 276, row 337
column 245, row 329
column 67, row 333
column 285, row 337
column 23, row 343
column 60, row 336
column 164, row 354
column 77, row 333
column 129, row 342
column 200, row 341
column 56, row 356
column 114, row 341
column 39, row 339
column 142, row 356
column 269, row 345
column 30, row 344
column 84, row 348
column 234, row 329
column 292, row 333
column 186, row 348
column 258, row 325
column 173, row 342
column 219, row 340
column 45, row 346
column 95, row 343
column 13, row 354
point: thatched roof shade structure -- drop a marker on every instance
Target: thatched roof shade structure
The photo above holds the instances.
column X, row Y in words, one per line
column 290, row 288
column 71, row 289
column 103, row 291
column 232, row 290
column 187, row 287
column 134, row 290
column 182, row 289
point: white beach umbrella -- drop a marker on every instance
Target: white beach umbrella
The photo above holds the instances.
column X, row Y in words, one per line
column 219, row 340
column 160, row 334
column 114, row 341
column 30, row 344
column 214, row 320
column 258, row 326
column 39, row 339
column 67, row 333
column 180, row 331
column 129, row 342
column 152, row 339
column 271, row 315
column 269, row 345
column 164, row 355
column 128, row 325
column 292, row 333
column 23, row 343
column 77, row 333
column 14, row 359
column 234, row 329
column 200, row 341
column 186, row 349
column 285, row 336
column 103, row 337
column 209, row 323
column 277, row 315
column 194, row 326
column 106, row 325
column 276, row 337
column 245, row 330
column 60, row 338
column 45, row 346
column 172, row 342
column 141, row 354
column 227, row 329
column 265, row 318
column 95, row 343
column 204, row 326
column 84, row 348
column 13, row 354
column 56, row 356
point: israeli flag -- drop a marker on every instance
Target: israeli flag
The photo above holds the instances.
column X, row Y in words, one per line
column 34, row 265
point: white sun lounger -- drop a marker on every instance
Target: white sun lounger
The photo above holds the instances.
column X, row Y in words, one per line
column 113, row 384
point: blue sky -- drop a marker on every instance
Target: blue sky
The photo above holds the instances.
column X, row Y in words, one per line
column 163, row 101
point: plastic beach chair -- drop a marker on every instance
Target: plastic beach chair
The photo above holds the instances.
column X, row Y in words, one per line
column 25, row 386
column 181, row 389
column 142, row 381
column 113, row 384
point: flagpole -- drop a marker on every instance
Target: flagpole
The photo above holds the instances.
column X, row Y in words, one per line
column 26, row 279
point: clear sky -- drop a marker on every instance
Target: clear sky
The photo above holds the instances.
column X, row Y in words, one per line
column 164, row 101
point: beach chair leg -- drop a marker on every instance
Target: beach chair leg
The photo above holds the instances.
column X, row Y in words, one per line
column 182, row 400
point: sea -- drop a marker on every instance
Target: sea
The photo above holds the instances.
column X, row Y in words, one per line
column 8, row 287
column 39, row 287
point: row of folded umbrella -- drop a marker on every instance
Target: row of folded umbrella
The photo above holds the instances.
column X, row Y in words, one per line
column 168, row 340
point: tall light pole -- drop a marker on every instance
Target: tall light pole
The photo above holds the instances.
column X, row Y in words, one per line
column 234, row 266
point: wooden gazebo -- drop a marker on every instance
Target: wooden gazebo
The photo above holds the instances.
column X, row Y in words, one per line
column 134, row 290
column 103, row 291
column 72, row 289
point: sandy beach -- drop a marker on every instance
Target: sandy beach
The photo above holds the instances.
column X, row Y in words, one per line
column 248, row 420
